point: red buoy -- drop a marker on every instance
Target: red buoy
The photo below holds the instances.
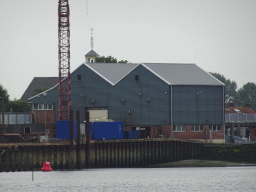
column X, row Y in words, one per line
column 46, row 166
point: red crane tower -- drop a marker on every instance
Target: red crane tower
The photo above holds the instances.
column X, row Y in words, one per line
column 64, row 60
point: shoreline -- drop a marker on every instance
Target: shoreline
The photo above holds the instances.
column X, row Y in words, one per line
column 201, row 163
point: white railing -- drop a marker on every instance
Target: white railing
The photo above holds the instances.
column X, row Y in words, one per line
column 240, row 117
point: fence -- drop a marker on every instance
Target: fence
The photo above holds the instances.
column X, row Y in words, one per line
column 103, row 154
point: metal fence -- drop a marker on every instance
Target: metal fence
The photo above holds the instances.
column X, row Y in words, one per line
column 16, row 118
column 240, row 117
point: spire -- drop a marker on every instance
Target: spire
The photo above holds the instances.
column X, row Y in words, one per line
column 91, row 39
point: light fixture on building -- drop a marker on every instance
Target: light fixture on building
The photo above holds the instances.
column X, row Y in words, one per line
column 197, row 93
column 139, row 93
column 92, row 102
column 148, row 100
column 129, row 112
column 122, row 101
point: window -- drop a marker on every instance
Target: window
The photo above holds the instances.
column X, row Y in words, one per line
column 27, row 130
column 41, row 106
column 35, row 106
column 50, row 106
column 197, row 128
column 215, row 127
column 179, row 128
column 79, row 77
column 137, row 77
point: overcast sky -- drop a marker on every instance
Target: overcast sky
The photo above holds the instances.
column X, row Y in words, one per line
column 217, row 35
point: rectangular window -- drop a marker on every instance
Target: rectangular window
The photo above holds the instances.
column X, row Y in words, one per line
column 179, row 128
column 41, row 106
column 215, row 127
column 79, row 77
column 197, row 128
column 35, row 106
column 50, row 106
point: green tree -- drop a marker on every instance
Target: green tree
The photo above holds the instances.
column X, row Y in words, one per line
column 230, row 87
column 19, row 106
column 246, row 94
column 123, row 61
column 5, row 95
column 108, row 59
column 39, row 90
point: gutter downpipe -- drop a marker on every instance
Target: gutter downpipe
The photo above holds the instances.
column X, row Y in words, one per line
column 171, row 114
column 224, row 113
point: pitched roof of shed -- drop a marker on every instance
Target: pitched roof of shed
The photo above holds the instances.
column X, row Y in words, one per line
column 172, row 74
column 112, row 72
column 182, row 74
column 43, row 82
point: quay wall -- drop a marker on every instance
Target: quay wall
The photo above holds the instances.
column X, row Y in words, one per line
column 99, row 154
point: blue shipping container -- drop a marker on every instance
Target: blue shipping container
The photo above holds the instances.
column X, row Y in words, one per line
column 63, row 130
column 106, row 130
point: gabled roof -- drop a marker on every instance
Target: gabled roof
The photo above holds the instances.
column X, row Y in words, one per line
column 182, row 74
column 172, row 74
column 42, row 82
column 239, row 110
column 112, row 72
column 92, row 53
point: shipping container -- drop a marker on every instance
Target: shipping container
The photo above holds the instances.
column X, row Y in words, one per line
column 132, row 134
column 106, row 130
column 63, row 130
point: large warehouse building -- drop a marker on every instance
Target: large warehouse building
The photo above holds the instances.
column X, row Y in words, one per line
column 173, row 100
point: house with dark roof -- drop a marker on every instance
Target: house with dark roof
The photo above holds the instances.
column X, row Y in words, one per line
column 159, row 99
column 242, row 119
column 39, row 82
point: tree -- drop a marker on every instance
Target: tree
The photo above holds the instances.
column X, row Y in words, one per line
column 108, row 59
column 230, row 87
column 19, row 106
column 246, row 94
column 123, row 61
column 39, row 90
column 5, row 95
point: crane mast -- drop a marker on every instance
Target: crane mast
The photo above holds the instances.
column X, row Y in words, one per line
column 64, row 60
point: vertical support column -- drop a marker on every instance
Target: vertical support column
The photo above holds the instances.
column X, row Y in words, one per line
column 7, row 159
column 87, row 119
column 78, row 144
column 232, row 133
column 13, row 159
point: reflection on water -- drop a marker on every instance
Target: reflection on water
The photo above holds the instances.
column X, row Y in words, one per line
column 141, row 179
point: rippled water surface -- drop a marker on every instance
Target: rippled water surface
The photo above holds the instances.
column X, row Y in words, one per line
column 142, row 179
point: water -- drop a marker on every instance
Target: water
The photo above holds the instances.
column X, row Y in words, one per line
column 141, row 179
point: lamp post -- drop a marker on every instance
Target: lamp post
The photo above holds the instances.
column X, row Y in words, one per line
column 45, row 106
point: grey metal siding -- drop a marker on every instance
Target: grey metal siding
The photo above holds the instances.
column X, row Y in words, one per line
column 156, row 112
column 197, row 104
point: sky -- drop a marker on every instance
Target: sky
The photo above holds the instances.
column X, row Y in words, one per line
column 217, row 35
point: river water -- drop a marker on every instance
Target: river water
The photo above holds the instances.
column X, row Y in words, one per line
column 138, row 179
